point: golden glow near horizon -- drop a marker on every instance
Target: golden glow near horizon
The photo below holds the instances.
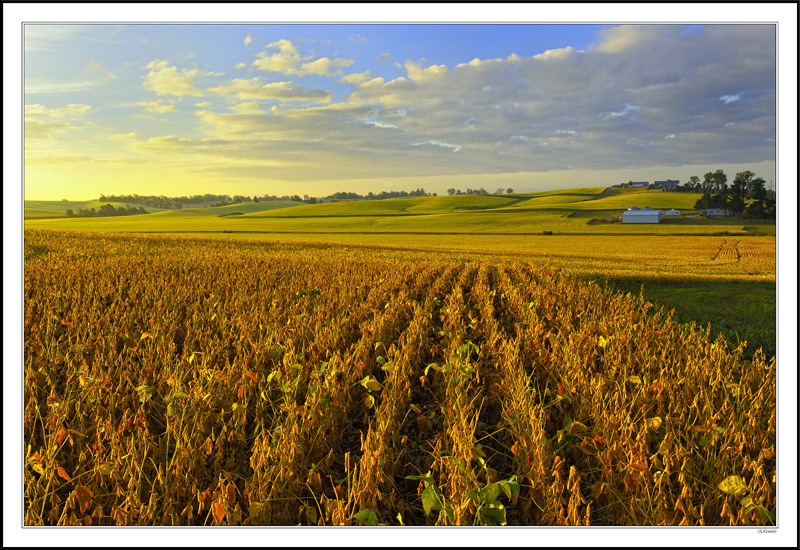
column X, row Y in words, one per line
column 313, row 109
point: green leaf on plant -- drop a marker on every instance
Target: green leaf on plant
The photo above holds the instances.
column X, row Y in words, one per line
column 426, row 477
column 367, row 517
column 430, row 500
column 371, row 384
column 733, row 485
column 493, row 516
column 509, row 488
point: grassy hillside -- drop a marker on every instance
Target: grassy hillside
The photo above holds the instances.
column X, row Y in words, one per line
column 398, row 206
column 247, row 208
column 568, row 212
column 58, row 209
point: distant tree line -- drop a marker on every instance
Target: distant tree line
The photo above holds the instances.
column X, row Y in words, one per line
column 481, row 191
column 167, row 203
column 746, row 197
column 344, row 195
column 175, row 203
column 106, row 210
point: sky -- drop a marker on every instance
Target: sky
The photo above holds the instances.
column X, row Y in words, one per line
column 254, row 109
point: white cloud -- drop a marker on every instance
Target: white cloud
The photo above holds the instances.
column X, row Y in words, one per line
column 165, row 79
column 415, row 72
column 248, row 40
column 324, row 66
column 246, row 107
column 608, row 106
column 287, row 60
column 437, row 143
column 254, row 89
column 731, row 98
column 241, row 65
column 158, row 107
column 355, row 78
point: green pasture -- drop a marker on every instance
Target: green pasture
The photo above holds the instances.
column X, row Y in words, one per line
column 565, row 212
column 63, row 206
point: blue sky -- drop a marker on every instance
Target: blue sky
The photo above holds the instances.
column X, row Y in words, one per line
column 314, row 109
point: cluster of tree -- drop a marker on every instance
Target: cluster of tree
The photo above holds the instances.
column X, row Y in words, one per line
column 714, row 182
column 346, row 195
column 747, row 196
column 481, row 191
column 173, row 203
column 106, row 210
column 168, row 203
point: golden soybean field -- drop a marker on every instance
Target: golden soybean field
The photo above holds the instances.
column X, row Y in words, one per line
column 189, row 381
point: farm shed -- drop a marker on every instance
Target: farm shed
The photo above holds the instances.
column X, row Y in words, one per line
column 672, row 212
column 639, row 184
column 641, row 215
column 714, row 212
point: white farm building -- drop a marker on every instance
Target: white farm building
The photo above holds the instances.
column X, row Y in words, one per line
column 641, row 215
column 672, row 212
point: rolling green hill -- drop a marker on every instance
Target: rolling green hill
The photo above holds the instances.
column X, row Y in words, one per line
column 569, row 211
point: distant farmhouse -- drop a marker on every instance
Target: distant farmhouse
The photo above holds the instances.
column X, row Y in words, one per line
column 672, row 212
column 714, row 210
column 641, row 215
column 666, row 184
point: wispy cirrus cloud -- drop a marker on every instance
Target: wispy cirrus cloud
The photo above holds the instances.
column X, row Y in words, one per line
column 43, row 123
column 254, row 88
column 93, row 75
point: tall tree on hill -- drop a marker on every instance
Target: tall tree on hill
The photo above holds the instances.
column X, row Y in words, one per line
column 702, row 202
column 708, row 182
column 757, row 189
column 739, row 191
column 720, row 181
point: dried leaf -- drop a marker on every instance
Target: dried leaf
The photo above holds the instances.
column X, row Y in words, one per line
column 252, row 376
column 63, row 474
column 62, row 433
column 577, row 428
column 654, row 423
column 630, row 482
column 218, row 511
column 84, row 498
